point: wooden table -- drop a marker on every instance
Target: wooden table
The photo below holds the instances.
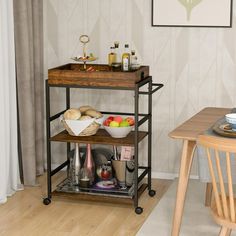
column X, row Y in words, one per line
column 189, row 132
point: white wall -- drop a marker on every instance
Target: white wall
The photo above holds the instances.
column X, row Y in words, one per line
column 196, row 65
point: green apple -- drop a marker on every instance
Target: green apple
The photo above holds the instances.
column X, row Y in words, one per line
column 114, row 124
column 124, row 123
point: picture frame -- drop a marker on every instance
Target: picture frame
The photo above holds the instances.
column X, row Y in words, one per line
column 192, row 13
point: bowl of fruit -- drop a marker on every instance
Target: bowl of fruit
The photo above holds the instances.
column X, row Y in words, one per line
column 117, row 126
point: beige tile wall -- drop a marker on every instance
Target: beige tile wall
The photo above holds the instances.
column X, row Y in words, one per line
column 196, row 65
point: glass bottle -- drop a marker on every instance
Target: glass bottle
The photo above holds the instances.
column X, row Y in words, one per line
column 88, row 170
column 126, row 59
column 134, row 61
column 111, row 56
column 77, row 163
column 74, row 167
column 116, row 45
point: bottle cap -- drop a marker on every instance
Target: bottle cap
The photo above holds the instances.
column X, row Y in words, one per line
column 116, row 43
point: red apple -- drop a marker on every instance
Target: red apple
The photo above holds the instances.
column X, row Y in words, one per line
column 130, row 120
column 108, row 120
column 118, row 119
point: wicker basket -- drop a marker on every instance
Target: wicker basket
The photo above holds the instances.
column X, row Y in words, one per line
column 88, row 131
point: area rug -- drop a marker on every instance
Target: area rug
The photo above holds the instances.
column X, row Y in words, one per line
column 197, row 219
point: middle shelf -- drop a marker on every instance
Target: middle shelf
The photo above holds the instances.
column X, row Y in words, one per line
column 101, row 137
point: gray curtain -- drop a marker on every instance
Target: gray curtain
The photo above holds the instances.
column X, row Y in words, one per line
column 28, row 20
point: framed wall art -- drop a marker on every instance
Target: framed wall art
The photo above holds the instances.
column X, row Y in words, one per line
column 192, row 13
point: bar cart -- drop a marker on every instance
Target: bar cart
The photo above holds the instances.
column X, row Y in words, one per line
column 72, row 76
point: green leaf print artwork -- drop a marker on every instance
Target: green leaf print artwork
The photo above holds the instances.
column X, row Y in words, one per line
column 189, row 5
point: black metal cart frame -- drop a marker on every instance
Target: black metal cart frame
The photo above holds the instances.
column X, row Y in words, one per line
column 140, row 119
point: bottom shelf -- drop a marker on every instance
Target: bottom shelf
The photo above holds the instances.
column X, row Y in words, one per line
column 65, row 190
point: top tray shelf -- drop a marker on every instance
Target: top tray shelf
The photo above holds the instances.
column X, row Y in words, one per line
column 74, row 75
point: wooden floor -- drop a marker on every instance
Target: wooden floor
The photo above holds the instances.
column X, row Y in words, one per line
column 25, row 215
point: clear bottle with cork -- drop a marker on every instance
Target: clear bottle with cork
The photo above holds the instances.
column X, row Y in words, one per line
column 74, row 167
column 126, row 59
column 77, row 163
column 112, row 56
column 134, row 61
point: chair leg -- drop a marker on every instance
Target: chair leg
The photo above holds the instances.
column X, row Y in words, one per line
column 208, row 196
column 225, row 231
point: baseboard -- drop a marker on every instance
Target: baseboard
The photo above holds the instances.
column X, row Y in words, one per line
column 164, row 175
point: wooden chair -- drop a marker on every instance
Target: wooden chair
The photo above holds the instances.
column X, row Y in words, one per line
column 223, row 204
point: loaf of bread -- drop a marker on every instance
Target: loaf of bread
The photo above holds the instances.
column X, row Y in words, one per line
column 72, row 114
column 83, row 109
column 93, row 113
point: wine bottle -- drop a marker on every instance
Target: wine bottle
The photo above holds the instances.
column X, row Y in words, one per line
column 89, row 166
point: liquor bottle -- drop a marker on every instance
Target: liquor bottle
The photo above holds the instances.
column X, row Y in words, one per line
column 88, row 170
column 116, row 45
column 111, row 56
column 126, row 59
column 134, row 61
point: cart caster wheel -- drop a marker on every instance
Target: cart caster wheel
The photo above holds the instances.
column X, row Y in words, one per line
column 46, row 201
column 138, row 210
column 152, row 193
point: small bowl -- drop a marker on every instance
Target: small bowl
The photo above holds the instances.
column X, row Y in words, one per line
column 231, row 119
column 118, row 132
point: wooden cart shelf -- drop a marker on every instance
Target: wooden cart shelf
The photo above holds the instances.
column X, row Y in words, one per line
column 101, row 137
column 104, row 198
column 65, row 190
column 73, row 75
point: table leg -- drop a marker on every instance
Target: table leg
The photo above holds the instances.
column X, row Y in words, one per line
column 185, row 167
column 208, row 196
